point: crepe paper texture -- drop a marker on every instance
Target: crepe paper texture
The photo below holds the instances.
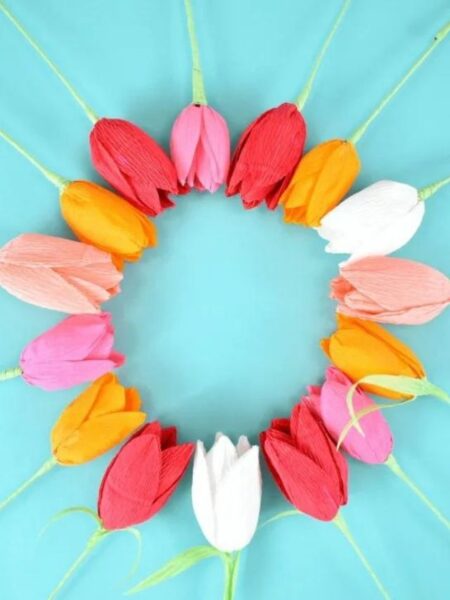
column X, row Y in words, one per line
column 327, row 172
column 101, row 417
column 124, row 154
column 137, row 484
column 377, row 220
column 58, row 274
column 271, row 146
column 391, row 290
column 96, row 215
column 77, row 350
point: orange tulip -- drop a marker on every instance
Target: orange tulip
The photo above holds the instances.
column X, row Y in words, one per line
column 107, row 221
column 101, row 417
column 360, row 348
column 321, row 180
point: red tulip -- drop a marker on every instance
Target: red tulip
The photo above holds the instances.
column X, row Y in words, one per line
column 142, row 476
column 305, row 464
column 132, row 162
column 266, row 156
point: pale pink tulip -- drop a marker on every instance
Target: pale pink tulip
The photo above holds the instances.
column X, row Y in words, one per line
column 200, row 147
column 390, row 290
column 330, row 403
column 76, row 350
column 59, row 274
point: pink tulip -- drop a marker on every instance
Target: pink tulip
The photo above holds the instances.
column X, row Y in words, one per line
column 57, row 273
column 200, row 147
column 330, row 403
column 77, row 350
column 390, row 290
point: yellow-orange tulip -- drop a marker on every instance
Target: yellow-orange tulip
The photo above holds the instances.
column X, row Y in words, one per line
column 360, row 348
column 105, row 220
column 101, row 417
column 321, row 180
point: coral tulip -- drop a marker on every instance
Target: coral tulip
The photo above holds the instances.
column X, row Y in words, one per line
column 200, row 148
column 391, row 290
column 142, row 476
column 59, row 274
column 226, row 492
column 76, row 350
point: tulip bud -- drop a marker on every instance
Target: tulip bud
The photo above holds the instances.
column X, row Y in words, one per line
column 107, row 221
column 305, row 464
column 78, row 349
column 133, row 163
column 321, row 180
column 360, row 348
column 142, row 476
column 378, row 220
column 391, row 290
column 200, row 148
column 266, row 155
column 226, row 492
column 374, row 443
column 100, row 418
column 58, row 274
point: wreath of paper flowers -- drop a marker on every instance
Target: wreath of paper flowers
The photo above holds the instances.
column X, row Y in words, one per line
column 303, row 451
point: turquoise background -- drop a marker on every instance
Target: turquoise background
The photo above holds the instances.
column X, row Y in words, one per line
column 221, row 322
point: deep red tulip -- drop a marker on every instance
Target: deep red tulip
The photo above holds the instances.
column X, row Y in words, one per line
column 305, row 464
column 142, row 476
column 133, row 163
column 266, row 156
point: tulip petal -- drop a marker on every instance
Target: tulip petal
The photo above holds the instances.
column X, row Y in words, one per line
column 202, row 494
column 220, row 459
column 184, row 140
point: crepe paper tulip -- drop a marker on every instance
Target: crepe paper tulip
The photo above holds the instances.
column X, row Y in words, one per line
column 101, row 417
column 137, row 484
column 98, row 216
column 58, row 274
column 390, row 290
column 226, row 496
column 309, row 471
column 373, row 445
column 124, row 154
column 76, row 350
column 200, row 140
column 328, row 171
column 377, row 220
column 272, row 145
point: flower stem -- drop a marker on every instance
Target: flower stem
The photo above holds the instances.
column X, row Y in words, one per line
column 45, row 468
column 344, row 529
column 429, row 190
column 304, row 94
column 10, row 373
column 438, row 38
column 94, row 540
column 57, row 180
column 231, row 562
column 89, row 112
column 198, row 87
column 397, row 470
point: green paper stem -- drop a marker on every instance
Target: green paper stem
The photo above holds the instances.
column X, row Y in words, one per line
column 305, row 93
column 198, row 86
column 280, row 515
column 438, row 38
column 231, row 563
column 10, row 373
column 57, row 180
column 344, row 529
column 400, row 473
column 45, row 468
column 429, row 190
column 87, row 109
column 98, row 535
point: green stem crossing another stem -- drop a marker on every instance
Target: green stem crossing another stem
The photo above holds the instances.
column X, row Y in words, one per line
column 231, row 563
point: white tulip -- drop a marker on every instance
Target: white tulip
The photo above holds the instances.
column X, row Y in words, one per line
column 376, row 221
column 226, row 492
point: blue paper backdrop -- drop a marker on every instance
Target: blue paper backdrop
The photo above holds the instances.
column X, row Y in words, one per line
column 221, row 322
